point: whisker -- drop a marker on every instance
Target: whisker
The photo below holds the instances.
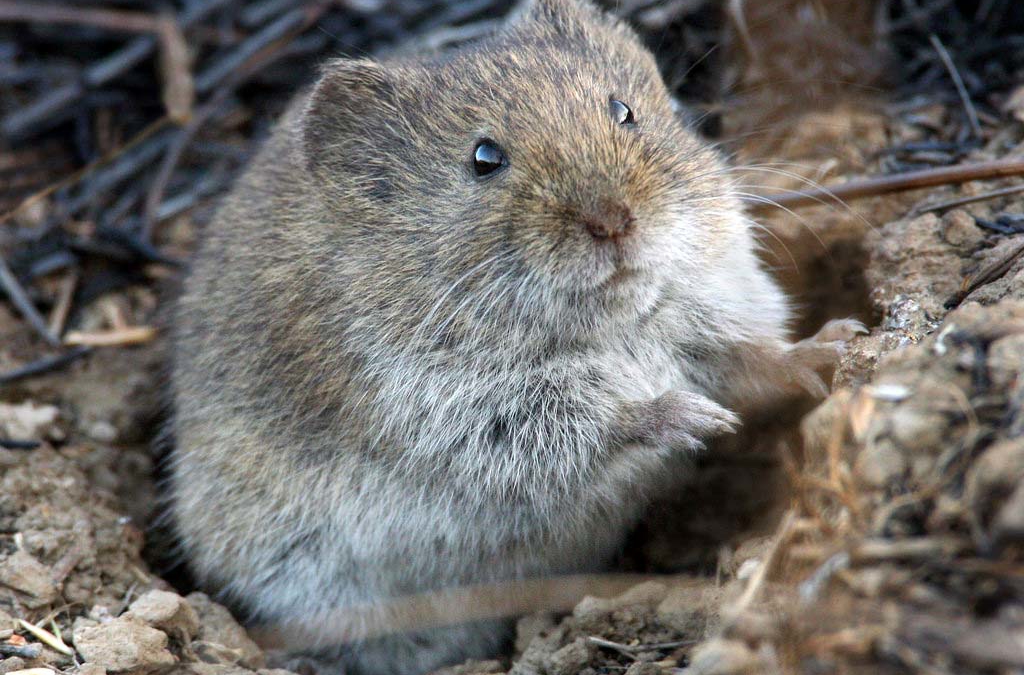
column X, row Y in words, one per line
column 803, row 221
column 771, row 168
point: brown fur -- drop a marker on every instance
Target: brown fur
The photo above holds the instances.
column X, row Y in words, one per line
column 392, row 376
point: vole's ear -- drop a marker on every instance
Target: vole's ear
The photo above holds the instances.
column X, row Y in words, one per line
column 345, row 111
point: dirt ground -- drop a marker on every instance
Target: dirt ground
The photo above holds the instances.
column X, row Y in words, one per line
column 880, row 530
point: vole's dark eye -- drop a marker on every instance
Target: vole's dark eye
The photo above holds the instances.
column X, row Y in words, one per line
column 621, row 112
column 488, row 158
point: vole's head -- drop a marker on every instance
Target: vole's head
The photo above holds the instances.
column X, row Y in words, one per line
column 545, row 166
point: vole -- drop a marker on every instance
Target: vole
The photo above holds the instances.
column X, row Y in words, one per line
column 457, row 317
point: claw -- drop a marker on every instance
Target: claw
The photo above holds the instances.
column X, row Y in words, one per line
column 683, row 419
column 839, row 330
column 822, row 350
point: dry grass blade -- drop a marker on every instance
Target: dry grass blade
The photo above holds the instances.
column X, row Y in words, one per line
column 46, row 637
column 122, row 337
column 179, row 90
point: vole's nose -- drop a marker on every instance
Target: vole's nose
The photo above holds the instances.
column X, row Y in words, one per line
column 609, row 221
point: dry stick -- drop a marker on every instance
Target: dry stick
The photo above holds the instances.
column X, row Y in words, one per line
column 986, row 275
column 965, row 98
column 970, row 200
column 111, row 19
column 881, row 185
column 155, row 196
column 118, row 337
column 768, row 562
column 9, row 283
column 59, row 316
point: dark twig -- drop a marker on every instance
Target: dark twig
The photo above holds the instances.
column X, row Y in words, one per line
column 11, row 444
column 86, row 171
column 960, row 201
column 20, row 299
column 180, row 143
column 625, row 650
column 43, row 365
column 49, row 108
column 965, row 98
column 222, row 69
column 30, row 651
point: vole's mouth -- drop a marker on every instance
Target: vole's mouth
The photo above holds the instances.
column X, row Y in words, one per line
column 621, row 275
column 627, row 268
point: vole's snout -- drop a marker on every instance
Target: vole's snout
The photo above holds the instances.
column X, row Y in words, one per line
column 610, row 220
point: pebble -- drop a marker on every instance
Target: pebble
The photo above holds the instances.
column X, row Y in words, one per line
column 167, row 611
column 122, row 645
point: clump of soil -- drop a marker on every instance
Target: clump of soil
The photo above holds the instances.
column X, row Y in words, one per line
column 75, row 592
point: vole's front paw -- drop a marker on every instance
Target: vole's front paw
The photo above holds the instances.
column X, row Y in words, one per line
column 827, row 345
column 822, row 350
column 682, row 419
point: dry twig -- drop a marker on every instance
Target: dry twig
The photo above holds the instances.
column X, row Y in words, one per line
column 902, row 182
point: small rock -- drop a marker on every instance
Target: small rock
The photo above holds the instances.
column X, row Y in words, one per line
column 467, row 668
column 27, row 421
column 529, row 627
column 7, row 622
column 960, row 230
column 214, row 652
column 631, row 610
column 892, row 392
column 752, row 627
column 880, row 463
column 641, row 668
column 1009, row 523
column 917, row 427
column 690, row 611
column 11, row 665
column 648, row 594
column 102, row 431
column 217, row 626
column 211, row 669
column 571, row 658
column 124, row 644
column 1006, row 361
column 723, row 657
column 993, row 481
column 90, row 669
column 167, row 611
column 24, row 573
